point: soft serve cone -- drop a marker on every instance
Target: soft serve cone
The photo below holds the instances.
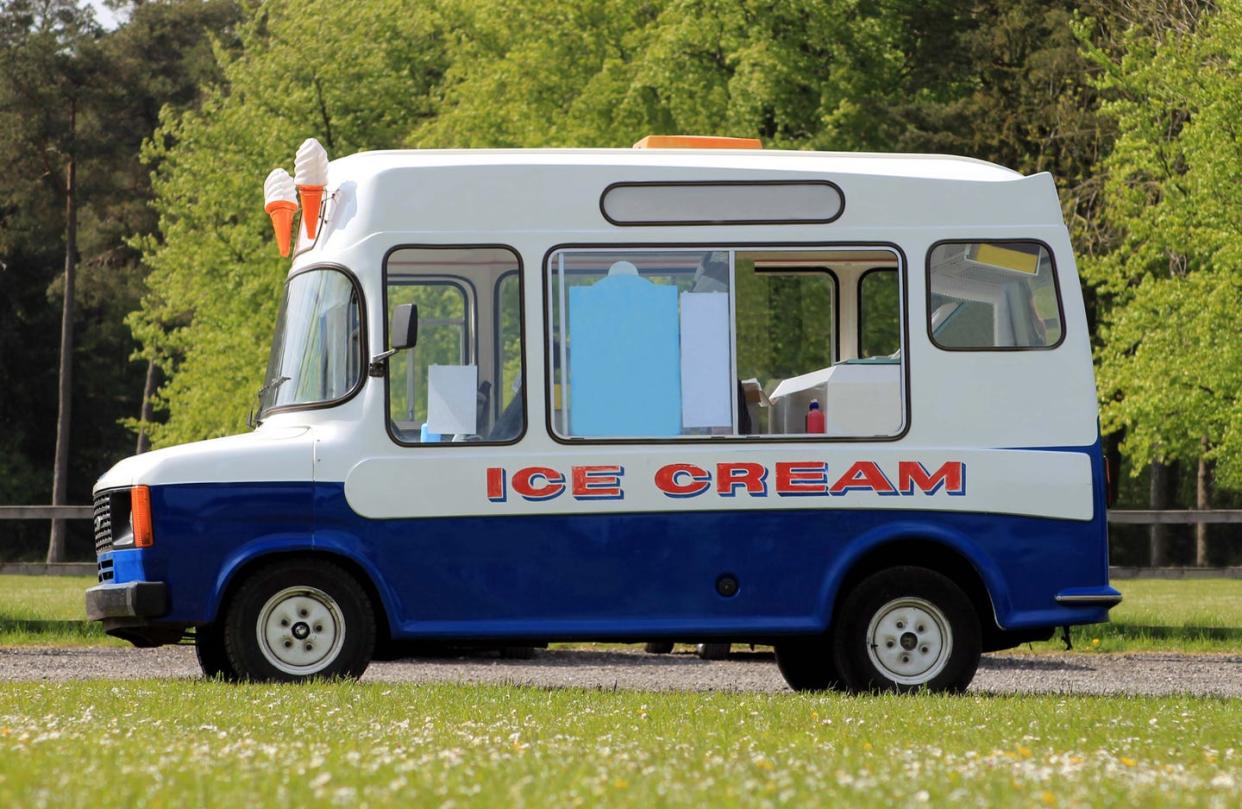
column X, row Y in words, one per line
column 310, row 177
column 280, row 202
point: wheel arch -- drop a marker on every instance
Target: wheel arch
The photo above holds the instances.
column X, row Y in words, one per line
column 947, row 553
column 242, row 566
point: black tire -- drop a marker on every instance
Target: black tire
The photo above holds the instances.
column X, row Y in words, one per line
column 658, row 648
column 331, row 601
column 212, row 657
column 807, row 663
column 926, row 633
column 714, row 651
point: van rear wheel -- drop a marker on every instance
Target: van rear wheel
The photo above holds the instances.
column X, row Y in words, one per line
column 905, row 629
column 299, row 620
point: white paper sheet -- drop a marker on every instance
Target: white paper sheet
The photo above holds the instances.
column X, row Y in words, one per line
column 707, row 388
column 452, row 399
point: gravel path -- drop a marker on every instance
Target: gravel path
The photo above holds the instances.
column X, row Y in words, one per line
column 1147, row 674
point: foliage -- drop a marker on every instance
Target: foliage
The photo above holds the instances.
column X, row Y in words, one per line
column 1013, row 81
column 356, row 76
column 606, row 73
column 1171, row 363
column 772, row 347
column 55, row 61
column 840, row 75
column 51, row 92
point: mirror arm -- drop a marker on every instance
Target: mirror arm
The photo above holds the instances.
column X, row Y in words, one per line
column 379, row 361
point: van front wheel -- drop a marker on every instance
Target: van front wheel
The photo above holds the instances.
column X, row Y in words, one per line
column 905, row 629
column 297, row 621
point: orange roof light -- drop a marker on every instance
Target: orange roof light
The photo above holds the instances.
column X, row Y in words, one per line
column 696, row 142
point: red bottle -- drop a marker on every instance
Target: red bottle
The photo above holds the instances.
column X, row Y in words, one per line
column 814, row 418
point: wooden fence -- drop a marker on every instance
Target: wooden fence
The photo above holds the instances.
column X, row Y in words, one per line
column 1121, row 517
column 1116, row 517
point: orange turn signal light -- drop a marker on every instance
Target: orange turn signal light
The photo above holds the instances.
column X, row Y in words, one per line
column 140, row 514
column 697, row 142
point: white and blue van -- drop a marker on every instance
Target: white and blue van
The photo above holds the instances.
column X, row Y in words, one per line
column 842, row 404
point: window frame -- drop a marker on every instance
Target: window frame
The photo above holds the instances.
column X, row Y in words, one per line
column 497, row 340
column 469, row 318
column 472, row 321
column 1056, row 288
column 858, row 304
column 836, row 298
column 363, row 337
column 902, row 262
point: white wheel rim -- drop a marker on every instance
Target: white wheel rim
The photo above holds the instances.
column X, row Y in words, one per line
column 300, row 630
column 909, row 640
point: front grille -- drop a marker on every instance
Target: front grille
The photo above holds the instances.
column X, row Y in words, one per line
column 103, row 523
column 105, row 569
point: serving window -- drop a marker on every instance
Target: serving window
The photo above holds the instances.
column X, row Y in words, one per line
column 702, row 343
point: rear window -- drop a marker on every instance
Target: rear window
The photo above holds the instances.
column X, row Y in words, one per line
column 993, row 295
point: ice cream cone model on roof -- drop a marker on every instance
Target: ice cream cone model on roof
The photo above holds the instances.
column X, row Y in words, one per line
column 310, row 176
column 281, row 202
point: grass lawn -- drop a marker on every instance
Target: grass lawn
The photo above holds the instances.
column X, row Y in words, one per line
column 102, row 744
column 48, row 611
column 1157, row 615
column 1168, row 615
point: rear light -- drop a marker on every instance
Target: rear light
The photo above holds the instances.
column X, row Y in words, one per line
column 140, row 514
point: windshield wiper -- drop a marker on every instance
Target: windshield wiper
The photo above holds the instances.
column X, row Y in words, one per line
column 254, row 421
column 273, row 385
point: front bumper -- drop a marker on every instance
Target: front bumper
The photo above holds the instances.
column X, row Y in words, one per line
column 134, row 599
column 131, row 611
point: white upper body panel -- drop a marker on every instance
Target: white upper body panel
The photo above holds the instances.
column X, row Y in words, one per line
column 451, row 193
column 962, row 405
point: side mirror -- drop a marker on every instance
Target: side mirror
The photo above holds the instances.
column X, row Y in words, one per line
column 403, row 331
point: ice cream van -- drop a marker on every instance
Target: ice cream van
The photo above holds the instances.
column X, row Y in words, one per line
column 698, row 390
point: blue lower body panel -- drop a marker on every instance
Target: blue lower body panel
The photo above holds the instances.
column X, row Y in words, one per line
column 597, row 576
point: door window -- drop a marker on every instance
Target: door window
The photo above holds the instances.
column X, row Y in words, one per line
column 462, row 380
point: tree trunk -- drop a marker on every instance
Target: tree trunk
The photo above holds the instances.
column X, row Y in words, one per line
column 1202, row 500
column 60, row 468
column 145, row 415
column 1158, row 539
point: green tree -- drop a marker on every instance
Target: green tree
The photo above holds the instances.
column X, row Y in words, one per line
column 72, row 93
column 798, row 74
column 52, row 83
column 356, row 76
column 1171, row 364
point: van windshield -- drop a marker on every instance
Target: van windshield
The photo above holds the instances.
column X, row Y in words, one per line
column 316, row 352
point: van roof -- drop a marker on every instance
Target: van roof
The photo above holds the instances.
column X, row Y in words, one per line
column 500, row 194
column 914, row 166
